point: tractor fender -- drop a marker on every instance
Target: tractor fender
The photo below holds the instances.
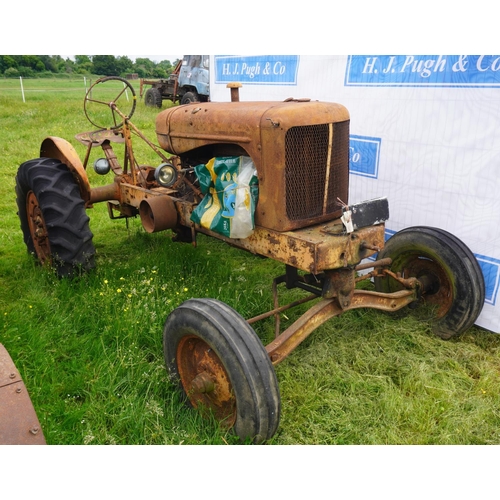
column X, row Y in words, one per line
column 61, row 149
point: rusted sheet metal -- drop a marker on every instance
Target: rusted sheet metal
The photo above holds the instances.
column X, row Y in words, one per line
column 61, row 149
column 18, row 421
column 185, row 128
column 96, row 138
column 314, row 249
column 299, row 148
column 321, row 312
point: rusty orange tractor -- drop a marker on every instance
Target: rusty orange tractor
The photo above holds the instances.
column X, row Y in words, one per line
column 301, row 217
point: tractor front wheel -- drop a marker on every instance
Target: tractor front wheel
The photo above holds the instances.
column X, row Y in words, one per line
column 221, row 366
column 53, row 220
column 190, row 97
column 452, row 281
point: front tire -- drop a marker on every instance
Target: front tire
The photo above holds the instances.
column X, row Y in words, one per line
column 190, row 97
column 219, row 363
column 53, row 220
column 451, row 276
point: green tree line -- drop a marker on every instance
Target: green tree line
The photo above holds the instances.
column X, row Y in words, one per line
column 45, row 66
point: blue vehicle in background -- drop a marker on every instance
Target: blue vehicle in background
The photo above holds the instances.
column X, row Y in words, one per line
column 189, row 82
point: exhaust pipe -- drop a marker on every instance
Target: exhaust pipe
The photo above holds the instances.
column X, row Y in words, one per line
column 235, row 93
column 158, row 213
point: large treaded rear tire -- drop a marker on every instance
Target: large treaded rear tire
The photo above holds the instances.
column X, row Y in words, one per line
column 454, row 280
column 53, row 219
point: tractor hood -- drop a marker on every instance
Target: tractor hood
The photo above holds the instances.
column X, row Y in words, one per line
column 300, row 150
column 184, row 128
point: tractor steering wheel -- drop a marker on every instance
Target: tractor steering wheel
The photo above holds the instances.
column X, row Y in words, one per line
column 105, row 100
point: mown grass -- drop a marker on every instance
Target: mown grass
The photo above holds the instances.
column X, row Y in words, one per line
column 90, row 350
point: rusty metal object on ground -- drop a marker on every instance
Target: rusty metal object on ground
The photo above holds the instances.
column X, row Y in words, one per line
column 18, row 421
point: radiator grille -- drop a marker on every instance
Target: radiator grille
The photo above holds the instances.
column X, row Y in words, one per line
column 313, row 177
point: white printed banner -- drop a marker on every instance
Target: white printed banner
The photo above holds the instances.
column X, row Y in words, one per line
column 425, row 132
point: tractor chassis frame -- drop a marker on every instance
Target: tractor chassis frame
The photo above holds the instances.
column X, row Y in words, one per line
column 326, row 308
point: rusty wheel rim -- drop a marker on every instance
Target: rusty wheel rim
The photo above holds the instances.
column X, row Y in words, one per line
column 38, row 228
column 205, row 380
column 437, row 285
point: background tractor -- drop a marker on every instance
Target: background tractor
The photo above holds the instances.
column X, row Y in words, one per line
column 189, row 82
column 300, row 215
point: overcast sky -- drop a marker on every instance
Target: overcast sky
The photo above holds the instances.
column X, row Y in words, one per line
column 378, row 27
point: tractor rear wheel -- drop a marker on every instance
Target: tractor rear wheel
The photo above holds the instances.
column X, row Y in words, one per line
column 152, row 98
column 450, row 275
column 53, row 220
column 221, row 366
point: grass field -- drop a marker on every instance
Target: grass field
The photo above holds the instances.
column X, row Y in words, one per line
column 90, row 350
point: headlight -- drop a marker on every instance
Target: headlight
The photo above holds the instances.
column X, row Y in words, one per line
column 166, row 174
column 101, row 166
